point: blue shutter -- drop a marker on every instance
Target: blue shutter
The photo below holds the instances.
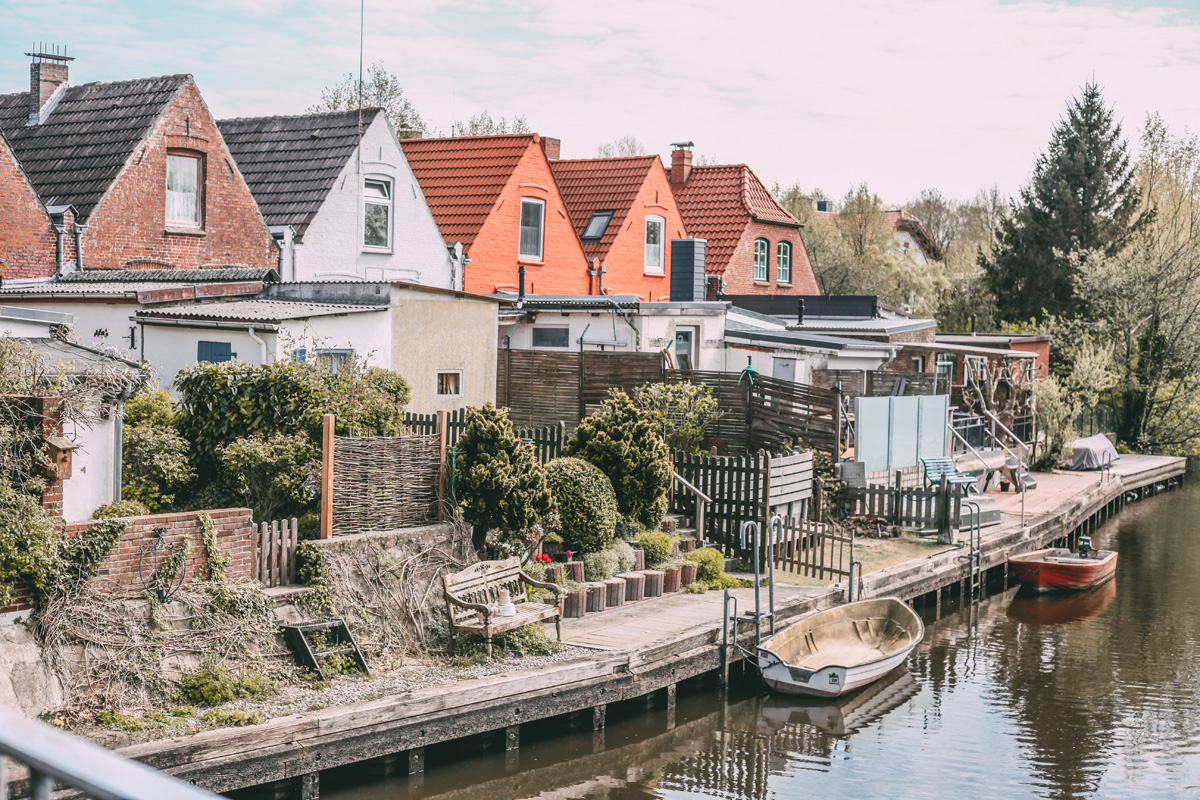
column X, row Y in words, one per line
column 214, row 352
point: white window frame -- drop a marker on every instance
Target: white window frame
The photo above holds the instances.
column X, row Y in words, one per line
column 537, row 346
column 332, row 357
column 541, row 244
column 765, row 265
column 437, row 378
column 198, row 221
column 783, row 262
column 660, row 268
column 388, row 205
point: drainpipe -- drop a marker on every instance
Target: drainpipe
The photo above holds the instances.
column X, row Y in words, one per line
column 520, row 285
column 591, row 279
column 79, row 230
column 800, row 311
column 59, row 230
column 118, row 432
column 600, row 280
column 262, row 346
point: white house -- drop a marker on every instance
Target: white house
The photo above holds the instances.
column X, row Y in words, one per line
column 340, row 199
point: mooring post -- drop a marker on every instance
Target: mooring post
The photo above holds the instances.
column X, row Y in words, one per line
column 310, row 786
column 670, row 706
column 442, row 477
column 598, row 717
column 416, row 761
column 512, row 737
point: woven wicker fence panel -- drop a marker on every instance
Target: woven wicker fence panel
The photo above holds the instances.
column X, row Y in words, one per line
column 384, row 482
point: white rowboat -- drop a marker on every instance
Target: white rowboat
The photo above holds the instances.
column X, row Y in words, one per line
column 832, row 652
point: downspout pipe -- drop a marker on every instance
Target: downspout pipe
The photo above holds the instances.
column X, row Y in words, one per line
column 59, row 231
column 262, row 345
column 79, row 230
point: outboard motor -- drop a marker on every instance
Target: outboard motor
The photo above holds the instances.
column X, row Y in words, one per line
column 1085, row 546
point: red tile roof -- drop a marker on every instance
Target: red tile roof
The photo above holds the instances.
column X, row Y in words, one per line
column 717, row 203
column 600, row 184
column 463, row 176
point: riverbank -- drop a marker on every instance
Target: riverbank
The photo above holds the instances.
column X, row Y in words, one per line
column 643, row 651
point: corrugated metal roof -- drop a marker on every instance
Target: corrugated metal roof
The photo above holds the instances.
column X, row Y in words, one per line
column 255, row 310
column 73, row 157
column 463, row 176
column 600, row 184
column 169, row 275
column 291, row 163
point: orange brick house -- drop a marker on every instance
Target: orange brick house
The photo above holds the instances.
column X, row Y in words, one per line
column 496, row 196
column 754, row 245
column 625, row 215
column 129, row 174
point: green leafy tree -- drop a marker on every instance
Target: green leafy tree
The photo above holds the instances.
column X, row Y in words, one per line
column 681, row 412
column 1082, row 197
column 154, row 465
column 584, row 499
column 273, row 475
column 482, row 124
column 620, row 440
column 497, row 477
column 378, row 89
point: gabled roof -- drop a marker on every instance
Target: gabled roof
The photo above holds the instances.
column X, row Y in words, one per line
column 76, row 153
column 463, row 176
column 291, row 163
column 901, row 220
column 600, row 184
column 718, row 202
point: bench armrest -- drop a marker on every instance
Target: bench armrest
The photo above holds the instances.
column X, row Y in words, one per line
column 480, row 607
column 558, row 590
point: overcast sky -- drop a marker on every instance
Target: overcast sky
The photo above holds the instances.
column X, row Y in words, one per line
column 954, row 94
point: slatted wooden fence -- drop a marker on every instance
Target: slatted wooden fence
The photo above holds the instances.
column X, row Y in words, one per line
column 881, row 383
column 547, row 440
column 540, row 387
column 814, row 549
column 791, row 483
column 911, row 508
column 275, row 552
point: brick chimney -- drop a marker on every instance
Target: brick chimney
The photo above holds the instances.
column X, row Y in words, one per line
column 681, row 162
column 47, row 74
column 551, row 147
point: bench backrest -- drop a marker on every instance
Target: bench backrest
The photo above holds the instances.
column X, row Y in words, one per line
column 935, row 468
column 481, row 583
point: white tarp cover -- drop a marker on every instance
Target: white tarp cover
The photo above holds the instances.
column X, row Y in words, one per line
column 1089, row 452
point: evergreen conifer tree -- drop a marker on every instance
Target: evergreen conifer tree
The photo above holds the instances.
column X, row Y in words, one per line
column 1082, row 197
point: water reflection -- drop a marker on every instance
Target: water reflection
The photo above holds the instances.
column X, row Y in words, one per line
column 1093, row 695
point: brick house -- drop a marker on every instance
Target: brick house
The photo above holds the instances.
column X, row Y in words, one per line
column 754, row 245
column 496, row 197
column 625, row 215
column 340, row 198
column 128, row 174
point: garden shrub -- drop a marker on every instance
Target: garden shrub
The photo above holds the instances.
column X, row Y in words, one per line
column 584, row 499
column 121, row 508
column 621, row 442
column 710, row 563
column 657, row 547
column 627, row 528
column 497, row 478
column 81, row 556
column 680, row 412
column 154, row 465
column 600, row 565
column 272, row 475
column 530, row 640
column 624, row 553
column 211, row 686
column 27, row 547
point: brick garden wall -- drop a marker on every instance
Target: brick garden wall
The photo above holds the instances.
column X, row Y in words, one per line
column 235, row 537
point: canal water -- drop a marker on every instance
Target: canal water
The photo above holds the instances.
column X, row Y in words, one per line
column 1095, row 695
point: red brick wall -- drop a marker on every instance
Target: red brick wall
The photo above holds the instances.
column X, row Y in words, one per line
column 119, row 572
column 739, row 273
column 1042, row 362
column 494, row 260
column 26, row 238
column 130, row 222
column 625, row 262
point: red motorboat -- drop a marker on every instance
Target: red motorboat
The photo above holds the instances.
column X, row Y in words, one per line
column 1057, row 569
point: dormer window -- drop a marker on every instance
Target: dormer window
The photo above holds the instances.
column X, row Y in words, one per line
column 184, row 182
column 377, row 215
column 533, row 215
column 597, row 225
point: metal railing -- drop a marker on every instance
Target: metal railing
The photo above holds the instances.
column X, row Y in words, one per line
column 702, row 501
column 51, row 756
column 970, row 430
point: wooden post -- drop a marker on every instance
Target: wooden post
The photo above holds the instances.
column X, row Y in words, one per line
column 310, row 786
column 441, row 487
column 670, row 706
column 899, row 498
column 598, row 714
column 416, row 760
column 837, row 421
column 818, row 499
column 944, row 511
column 327, row 477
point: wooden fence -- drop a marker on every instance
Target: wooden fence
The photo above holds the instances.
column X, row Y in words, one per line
column 881, row 383
column 814, row 549
column 540, row 387
column 547, row 440
column 911, row 508
column 275, row 552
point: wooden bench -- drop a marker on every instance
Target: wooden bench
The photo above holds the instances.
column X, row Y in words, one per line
column 472, row 597
column 935, row 468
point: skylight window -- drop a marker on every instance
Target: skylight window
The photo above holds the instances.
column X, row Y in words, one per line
column 597, row 225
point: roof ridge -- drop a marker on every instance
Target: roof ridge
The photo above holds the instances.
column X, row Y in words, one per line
column 373, row 109
column 463, row 138
column 603, row 158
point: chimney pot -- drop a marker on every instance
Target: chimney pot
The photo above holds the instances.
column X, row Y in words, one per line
column 681, row 162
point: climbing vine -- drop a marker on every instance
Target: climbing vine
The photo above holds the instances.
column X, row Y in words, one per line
column 217, row 561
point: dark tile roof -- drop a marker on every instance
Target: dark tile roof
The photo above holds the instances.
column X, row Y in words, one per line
column 463, row 176
column 73, row 157
column 718, row 202
column 169, row 275
column 291, row 163
column 600, row 184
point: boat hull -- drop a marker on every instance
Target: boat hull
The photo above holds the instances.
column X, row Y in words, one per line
column 1059, row 570
column 833, row 652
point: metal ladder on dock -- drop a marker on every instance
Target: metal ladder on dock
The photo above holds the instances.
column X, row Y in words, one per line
column 974, row 555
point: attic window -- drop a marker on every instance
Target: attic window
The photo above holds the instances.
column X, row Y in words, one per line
column 377, row 214
column 184, row 182
column 597, row 225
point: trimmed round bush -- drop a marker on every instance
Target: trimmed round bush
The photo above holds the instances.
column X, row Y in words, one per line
column 600, row 566
column 656, row 545
column 710, row 564
column 585, row 502
column 624, row 553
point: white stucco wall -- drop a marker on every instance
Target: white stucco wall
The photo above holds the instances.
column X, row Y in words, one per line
column 907, row 245
column 368, row 334
column 172, row 348
column 92, row 320
column 332, row 245
column 433, row 332
column 93, row 477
